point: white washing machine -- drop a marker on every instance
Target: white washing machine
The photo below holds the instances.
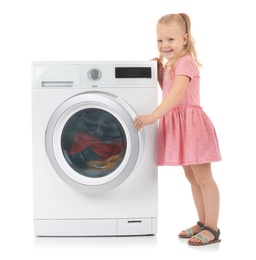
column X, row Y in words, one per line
column 93, row 173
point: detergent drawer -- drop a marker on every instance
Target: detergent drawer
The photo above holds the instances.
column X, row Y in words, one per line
column 56, row 75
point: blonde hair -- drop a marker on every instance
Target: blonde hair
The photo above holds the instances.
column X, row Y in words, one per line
column 183, row 21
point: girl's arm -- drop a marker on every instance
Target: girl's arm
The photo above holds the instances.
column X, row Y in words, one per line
column 179, row 86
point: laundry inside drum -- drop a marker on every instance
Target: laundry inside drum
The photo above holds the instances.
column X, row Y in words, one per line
column 93, row 142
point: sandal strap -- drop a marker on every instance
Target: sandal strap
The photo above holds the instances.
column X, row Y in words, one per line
column 200, row 224
column 215, row 233
column 202, row 238
column 189, row 232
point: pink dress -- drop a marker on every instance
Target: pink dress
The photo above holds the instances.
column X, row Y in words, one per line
column 186, row 134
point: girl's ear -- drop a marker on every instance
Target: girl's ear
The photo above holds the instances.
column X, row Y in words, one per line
column 185, row 40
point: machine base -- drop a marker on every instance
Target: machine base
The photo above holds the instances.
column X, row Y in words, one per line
column 95, row 227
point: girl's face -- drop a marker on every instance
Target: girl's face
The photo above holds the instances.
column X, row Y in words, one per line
column 170, row 40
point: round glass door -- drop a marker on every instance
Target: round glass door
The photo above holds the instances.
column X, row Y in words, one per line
column 93, row 142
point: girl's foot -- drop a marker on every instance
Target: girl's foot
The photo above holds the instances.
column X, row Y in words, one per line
column 189, row 232
column 205, row 237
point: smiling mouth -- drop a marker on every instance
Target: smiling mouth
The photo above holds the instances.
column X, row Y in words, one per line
column 167, row 51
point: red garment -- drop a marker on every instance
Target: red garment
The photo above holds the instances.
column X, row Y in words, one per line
column 83, row 140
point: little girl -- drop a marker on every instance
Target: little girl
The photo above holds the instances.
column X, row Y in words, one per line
column 186, row 135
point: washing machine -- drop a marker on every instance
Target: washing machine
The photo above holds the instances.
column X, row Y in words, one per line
column 93, row 173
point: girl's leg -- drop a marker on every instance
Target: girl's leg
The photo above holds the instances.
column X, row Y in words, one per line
column 196, row 192
column 197, row 196
column 210, row 193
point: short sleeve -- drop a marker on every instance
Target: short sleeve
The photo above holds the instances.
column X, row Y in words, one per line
column 185, row 66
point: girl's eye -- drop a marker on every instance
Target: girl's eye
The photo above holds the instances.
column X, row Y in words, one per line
column 159, row 41
column 170, row 39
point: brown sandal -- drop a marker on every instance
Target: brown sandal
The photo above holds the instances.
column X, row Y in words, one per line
column 189, row 231
column 203, row 240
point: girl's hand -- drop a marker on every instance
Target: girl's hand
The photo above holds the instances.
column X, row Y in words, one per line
column 159, row 63
column 159, row 72
column 141, row 121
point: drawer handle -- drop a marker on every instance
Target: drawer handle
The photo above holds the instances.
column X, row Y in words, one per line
column 134, row 221
column 57, row 83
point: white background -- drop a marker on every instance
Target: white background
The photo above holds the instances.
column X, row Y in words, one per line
column 125, row 30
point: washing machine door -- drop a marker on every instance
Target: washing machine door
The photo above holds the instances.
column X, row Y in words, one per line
column 91, row 141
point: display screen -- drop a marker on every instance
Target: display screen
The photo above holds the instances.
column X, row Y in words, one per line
column 133, row 72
